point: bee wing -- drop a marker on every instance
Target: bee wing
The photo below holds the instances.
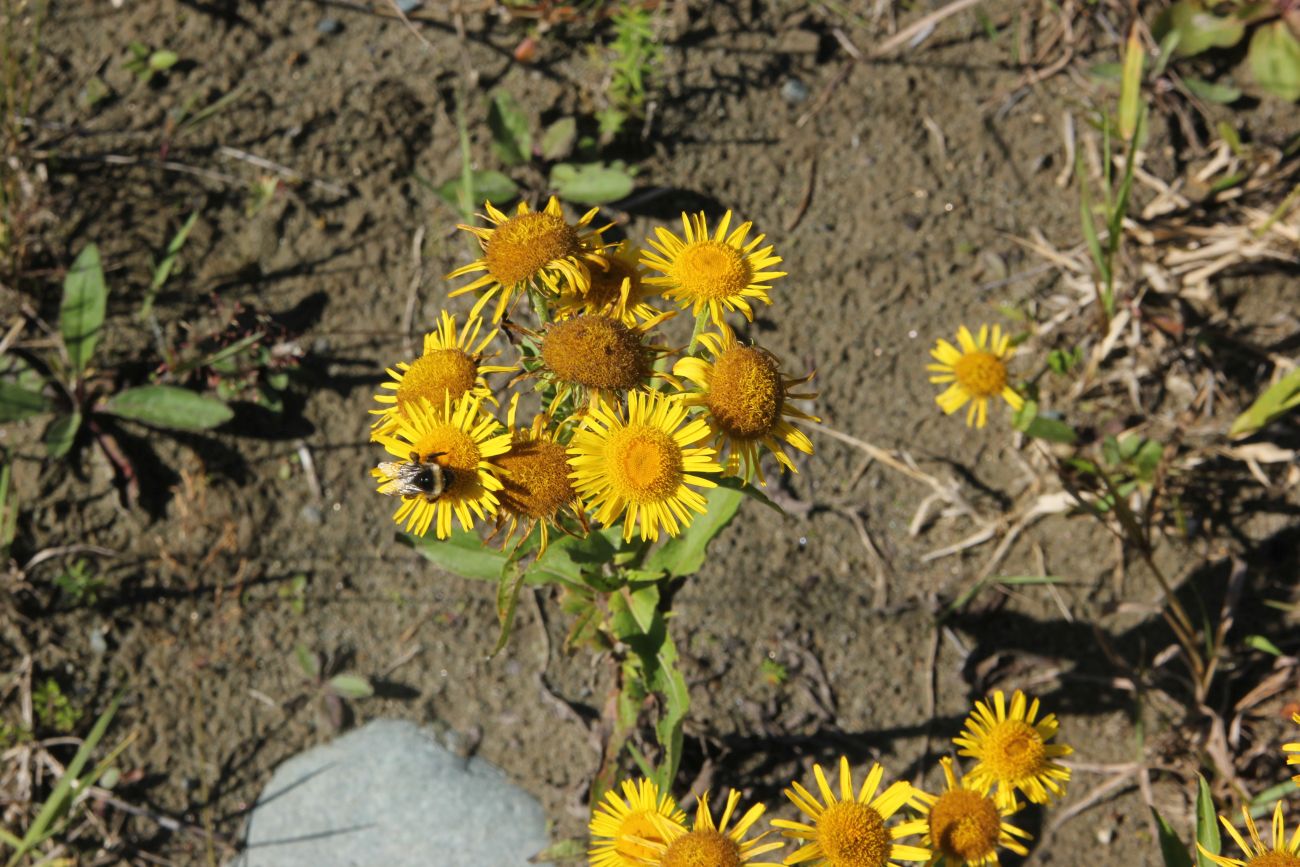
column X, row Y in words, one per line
column 388, row 471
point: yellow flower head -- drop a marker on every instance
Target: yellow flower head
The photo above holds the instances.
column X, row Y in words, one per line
column 852, row 831
column 1293, row 751
column 1284, row 853
column 977, row 372
column 599, row 356
column 619, row 291
column 640, row 465
column 451, row 367
column 1013, row 752
column 718, row 272
column 708, row 844
column 531, row 248
column 964, row 826
column 747, row 397
column 535, row 483
column 621, row 827
column 459, row 439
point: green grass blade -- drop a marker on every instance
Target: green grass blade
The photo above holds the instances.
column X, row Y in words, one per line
column 1171, row 848
column 63, row 790
column 1130, row 89
column 1207, row 824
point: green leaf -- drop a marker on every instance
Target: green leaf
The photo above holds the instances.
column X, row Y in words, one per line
column 488, row 186
column 1262, row 804
column 167, row 406
column 1147, row 460
column 1028, row 421
column 1198, row 29
column 1278, row 399
column 591, row 183
column 1274, row 59
column 1173, row 850
column 572, row 849
column 1207, row 823
column 511, row 138
column 557, row 140
column 512, row 581
column 463, row 553
column 1259, row 642
column 670, row 683
column 17, row 402
column 570, row 556
column 61, row 434
column 307, row 661
column 684, row 555
column 161, row 61
column 351, row 686
column 1222, row 94
column 81, row 316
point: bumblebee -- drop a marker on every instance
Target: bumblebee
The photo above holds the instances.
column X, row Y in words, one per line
column 416, row 478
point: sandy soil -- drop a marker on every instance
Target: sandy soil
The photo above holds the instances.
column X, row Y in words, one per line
column 895, row 207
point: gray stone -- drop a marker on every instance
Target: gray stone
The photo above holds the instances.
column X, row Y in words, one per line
column 389, row 795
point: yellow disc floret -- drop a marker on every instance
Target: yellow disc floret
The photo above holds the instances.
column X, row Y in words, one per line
column 523, row 245
column 853, row 835
column 645, row 463
column 981, row 373
column 965, row 825
column 438, row 374
column 703, row 848
column 625, row 830
column 596, row 352
column 711, row 270
column 745, row 392
column 535, row 478
column 1013, row 750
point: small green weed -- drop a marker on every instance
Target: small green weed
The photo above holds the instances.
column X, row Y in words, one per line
column 53, row 709
column 79, row 584
column 634, row 58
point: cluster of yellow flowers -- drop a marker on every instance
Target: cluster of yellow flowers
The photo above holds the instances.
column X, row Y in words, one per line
column 963, row 825
column 610, row 443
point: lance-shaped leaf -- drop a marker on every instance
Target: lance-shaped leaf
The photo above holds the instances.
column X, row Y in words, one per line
column 81, row 316
column 167, row 406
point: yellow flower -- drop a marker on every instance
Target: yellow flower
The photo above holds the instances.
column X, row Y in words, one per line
column 451, row 367
column 619, row 291
column 715, row 273
column 747, row 397
column 977, row 371
column 535, row 479
column 599, row 357
column 621, row 827
column 852, row 831
column 531, row 248
column 710, row 845
column 1283, row 853
column 964, row 826
column 459, row 439
column 1293, row 751
column 1013, row 752
column 639, row 466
